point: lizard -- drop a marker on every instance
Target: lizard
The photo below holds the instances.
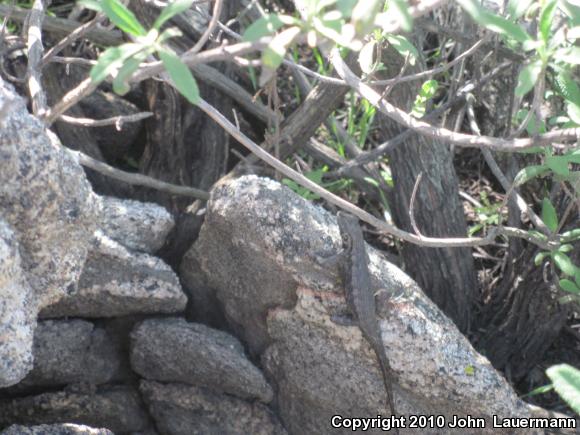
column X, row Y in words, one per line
column 360, row 297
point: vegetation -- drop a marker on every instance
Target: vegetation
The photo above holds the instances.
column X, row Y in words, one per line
column 539, row 39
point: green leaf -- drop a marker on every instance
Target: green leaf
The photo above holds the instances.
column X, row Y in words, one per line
column 500, row 25
column 566, row 380
column 572, row 235
column 122, row 17
column 121, row 83
column 493, row 22
column 574, row 32
column 93, row 5
column 564, row 263
column 169, row 11
column 546, row 17
column 517, row 8
column 529, row 173
column 267, row 25
column 528, row 77
column 566, row 87
column 549, row 216
column 569, row 286
column 558, row 164
column 180, row 75
column 569, row 55
column 366, row 57
column 401, row 10
column 111, row 60
column 539, row 258
column 540, row 390
column 573, row 111
column 274, row 52
column 404, row 47
column 363, row 15
column 169, row 33
column 566, row 248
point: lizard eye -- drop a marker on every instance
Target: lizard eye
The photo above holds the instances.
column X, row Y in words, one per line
column 346, row 239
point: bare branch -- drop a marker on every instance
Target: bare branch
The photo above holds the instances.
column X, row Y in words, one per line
column 412, row 205
column 79, row 32
column 117, row 121
column 61, row 26
column 35, row 52
column 136, row 179
column 497, row 172
column 217, row 11
column 459, row 139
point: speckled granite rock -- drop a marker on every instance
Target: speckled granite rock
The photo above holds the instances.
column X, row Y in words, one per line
column 55, row 429
column 48, row 203
column 259, row 247
column 138, row 226
column 173, row 350
column 180, row 409
column 118, row 282
column 118, row 409
column 70, row 352
column 17, row 312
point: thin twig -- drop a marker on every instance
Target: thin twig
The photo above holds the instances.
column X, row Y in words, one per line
column 117, row 121
column 217, row 10
column 61, row 26
column 459, row 139
column 497, row 172
column 71, row 37
column 136, row 179
column 35, row 52
column 432, row 72
column 87, row 86
column 351, row 208
column 412, row 205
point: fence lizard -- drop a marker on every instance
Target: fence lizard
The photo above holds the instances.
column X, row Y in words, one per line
column 360, row 296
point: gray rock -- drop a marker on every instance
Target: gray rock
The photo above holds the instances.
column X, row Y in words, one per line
column 118, row 409
column 180, row 409
column 259, row 248
column 173, row 350
column 17, row 312
column 70, row 352
column 136, row 225
column 47, row 200
column 49, row 206
column 55, row 429
column 117, row 282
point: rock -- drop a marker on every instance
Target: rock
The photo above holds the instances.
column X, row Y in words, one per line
column 117, row 282
column 55, row 429
column 70, row 352
column 48, row 203
column 172, row 350
column 180, row 409
column 118, row 409
column 138, row 226
column 17, row 312
column 46, row 198
column 259, row 248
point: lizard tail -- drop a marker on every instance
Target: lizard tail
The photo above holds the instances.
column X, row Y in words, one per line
column 387, row 379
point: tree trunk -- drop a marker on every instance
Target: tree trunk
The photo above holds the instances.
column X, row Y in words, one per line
column 447, row 275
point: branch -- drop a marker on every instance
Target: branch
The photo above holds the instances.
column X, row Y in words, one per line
column 35, row 52
column 458, row 139
column 117, row 121
column 135, row 179
column 61, row 26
